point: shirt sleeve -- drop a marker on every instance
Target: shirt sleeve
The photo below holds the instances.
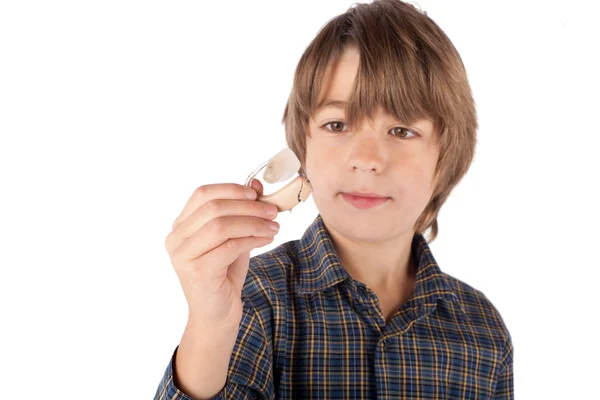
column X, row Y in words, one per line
column 250, row 373
column 504, row 383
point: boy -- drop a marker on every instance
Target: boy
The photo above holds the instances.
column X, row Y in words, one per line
column 382, row 118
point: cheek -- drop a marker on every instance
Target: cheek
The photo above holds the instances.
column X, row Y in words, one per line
column 321, row 174
column 420, row 180
column 316, row 159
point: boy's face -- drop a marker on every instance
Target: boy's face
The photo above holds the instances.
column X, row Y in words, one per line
column 376, row 157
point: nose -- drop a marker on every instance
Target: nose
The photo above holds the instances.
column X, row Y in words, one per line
column 366, row 153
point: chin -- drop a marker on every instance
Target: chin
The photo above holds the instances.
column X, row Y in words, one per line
column 366, row 225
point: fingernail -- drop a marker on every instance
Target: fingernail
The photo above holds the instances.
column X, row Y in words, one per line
column 251, row 195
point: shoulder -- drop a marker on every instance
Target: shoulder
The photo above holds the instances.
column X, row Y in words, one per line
column 481, row 311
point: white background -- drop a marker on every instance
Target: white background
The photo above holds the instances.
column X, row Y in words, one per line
column 113, row 112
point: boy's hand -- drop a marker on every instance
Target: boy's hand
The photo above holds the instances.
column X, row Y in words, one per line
column 210, row 246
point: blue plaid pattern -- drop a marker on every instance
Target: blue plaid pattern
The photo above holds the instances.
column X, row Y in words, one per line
column 310, row 331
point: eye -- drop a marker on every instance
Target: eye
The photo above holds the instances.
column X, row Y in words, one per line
column 333, row 122
column 400, row 129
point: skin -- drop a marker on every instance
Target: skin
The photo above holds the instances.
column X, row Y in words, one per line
column 374, row 245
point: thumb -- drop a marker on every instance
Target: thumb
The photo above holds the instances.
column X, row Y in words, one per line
column 257, row 186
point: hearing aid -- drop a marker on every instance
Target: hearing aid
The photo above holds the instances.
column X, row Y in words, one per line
column 280, row 168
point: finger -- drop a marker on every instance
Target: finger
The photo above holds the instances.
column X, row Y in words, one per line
column 215, row 209
column 257, row 186
column 218, row 261
column 206, row 193
column 218, row 231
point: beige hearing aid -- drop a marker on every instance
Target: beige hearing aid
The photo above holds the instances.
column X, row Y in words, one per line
column 278, row 169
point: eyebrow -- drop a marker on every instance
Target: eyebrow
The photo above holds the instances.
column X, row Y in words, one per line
column 331, row 103
column 342, row 105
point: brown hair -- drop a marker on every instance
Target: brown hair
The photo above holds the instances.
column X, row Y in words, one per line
column 410, row 68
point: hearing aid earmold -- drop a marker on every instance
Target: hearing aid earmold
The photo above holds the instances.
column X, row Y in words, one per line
column 279, row 168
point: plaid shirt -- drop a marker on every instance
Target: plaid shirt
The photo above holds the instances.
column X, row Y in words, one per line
column 310, row 331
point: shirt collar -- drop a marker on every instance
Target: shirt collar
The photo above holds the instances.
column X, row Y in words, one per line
column 320, row 268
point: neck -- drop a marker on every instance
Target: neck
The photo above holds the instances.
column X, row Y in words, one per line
column 379, row 265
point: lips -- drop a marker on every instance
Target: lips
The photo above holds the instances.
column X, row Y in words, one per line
column 363, row 200
column 359, row 194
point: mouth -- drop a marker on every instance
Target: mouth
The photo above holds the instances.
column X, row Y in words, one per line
column 364, row 200
column 370, row 195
